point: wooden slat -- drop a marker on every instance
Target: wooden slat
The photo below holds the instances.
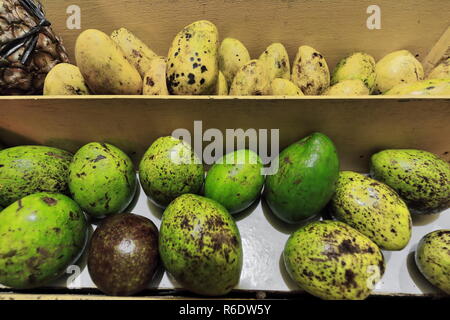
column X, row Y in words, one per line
column 439, row 52
column 358, row 126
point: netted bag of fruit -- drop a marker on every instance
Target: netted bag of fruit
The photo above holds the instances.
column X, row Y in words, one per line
column 29, row 48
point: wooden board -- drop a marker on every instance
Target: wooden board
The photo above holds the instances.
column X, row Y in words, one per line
column 358, row 126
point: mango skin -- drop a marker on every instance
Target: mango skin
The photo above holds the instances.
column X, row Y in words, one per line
column 26, row 170
column 305, row 181
column 65, row 79
column 200, row 245
column 442, row 71
column 169, row 169
column 232, row 56
column 42, row 234
column 347, row 88
column 333, row 261
column 104, row 66
column 357, row 66
column 236, row 180
column 395, row 68
column 421, row 178
column 283, row 87
column 251, row 80
column 433, row 258
column 222, row 85
column 155, row 78
column 193, row 61
column 433, row 87
column 310, row 71
column 102, row 179
column 136, row 52
column 120, row 269
column 276, row 60
column 372, row 208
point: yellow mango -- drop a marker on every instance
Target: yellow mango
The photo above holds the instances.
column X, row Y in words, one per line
column 276, row 60
column 283, row 87
column 251, row 80
column 310, row 71
column 104, row 66
column 192, row 62
column 232, row 56
column 65, row 79
column 155, row 78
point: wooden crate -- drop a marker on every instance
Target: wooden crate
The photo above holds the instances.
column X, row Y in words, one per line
column 359, row 126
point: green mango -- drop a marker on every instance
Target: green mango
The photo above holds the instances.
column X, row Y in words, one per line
column 42, row 234
column 30, row 169
column 433, row 258
column 200, row 245
column 236, row 180
column 357, row 66
column 421, row 178
column 306, row 178
column 333, row 261
column 193, row 60
column 372, row 208
column 169, row 169
column 102, row 179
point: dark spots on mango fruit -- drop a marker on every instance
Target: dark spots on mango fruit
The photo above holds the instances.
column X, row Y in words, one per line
column 50, row 201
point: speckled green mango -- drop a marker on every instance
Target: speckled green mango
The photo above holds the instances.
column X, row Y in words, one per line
column 102, row 179
column 442, row 71
column 347, row 88
column 169, row 169
column 372, row 208
column 306, row 178
column 283, row 87
column 251, row 80
column 276, row 60
column 333, row 261
column 232, row 56
column 193, row 61
column 221, row 85
column 26, row 170
column 433, row 258
column 421, row 178
column 42, row 234
column 200, row 245
column 357, row 66
column 434, row 87
column 236, row 180
column 395, row 68
column 310, row 71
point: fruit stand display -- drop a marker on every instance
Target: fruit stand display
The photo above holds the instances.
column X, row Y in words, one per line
column 106, row 126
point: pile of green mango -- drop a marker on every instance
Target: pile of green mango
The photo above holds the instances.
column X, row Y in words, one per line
column 50, row 197
column 198, row 63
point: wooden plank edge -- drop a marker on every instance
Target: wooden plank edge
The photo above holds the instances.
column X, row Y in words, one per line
column 439, row 52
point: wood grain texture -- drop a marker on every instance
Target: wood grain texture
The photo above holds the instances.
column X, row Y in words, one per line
column 358, row 126
column 335, row 28
column 439, row 53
